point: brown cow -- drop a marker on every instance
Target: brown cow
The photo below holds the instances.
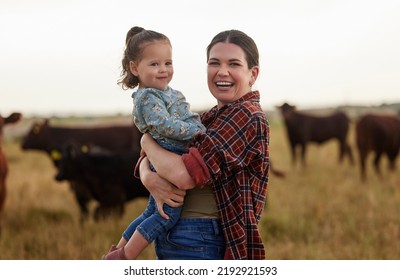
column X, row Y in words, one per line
column 303, row 128
column 13, row 118
column 379, row 134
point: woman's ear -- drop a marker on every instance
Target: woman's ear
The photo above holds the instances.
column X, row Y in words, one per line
column 133, row 68
column 254, row 74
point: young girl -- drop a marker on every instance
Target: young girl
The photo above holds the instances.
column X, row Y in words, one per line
column 163, row 113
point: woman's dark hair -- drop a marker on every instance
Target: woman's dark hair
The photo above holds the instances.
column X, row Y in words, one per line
column 136, row 39
column 240, row 39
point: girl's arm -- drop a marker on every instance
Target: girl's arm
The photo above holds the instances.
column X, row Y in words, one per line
column 162, row 190
column 167, row 164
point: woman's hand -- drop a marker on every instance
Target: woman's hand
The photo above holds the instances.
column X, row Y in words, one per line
column 169, row 165
column 161, row 190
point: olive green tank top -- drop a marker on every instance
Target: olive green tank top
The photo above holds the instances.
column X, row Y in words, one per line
column 200, row 203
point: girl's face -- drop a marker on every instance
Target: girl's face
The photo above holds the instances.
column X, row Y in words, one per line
column 227, row 73
column 154, row 69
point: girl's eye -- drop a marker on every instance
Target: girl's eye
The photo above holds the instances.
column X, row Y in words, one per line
column 213, row 63
column 154, row 64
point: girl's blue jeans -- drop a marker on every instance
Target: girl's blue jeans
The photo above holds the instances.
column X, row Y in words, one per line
column 150, row 224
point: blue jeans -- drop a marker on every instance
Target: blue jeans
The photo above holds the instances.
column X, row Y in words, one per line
column 192, row 239
column 150, row 224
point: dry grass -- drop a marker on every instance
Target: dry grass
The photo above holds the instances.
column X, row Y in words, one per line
column 321, row 212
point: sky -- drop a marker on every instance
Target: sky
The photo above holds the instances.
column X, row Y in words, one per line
column 63, row 57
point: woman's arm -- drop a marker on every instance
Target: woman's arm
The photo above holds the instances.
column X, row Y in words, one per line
column 162, row 190
column 167, row 164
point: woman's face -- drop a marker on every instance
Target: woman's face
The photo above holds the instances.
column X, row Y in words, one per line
column 228, row 75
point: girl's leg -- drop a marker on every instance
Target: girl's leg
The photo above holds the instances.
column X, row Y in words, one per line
column 136, row 244
column 150, row 229
column 151, row 207
column 117, row 252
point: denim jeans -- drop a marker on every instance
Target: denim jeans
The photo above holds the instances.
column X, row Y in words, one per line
column 150, row 224
column 192, row 239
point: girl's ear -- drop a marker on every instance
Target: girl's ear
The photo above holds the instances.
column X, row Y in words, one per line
column 133, row 67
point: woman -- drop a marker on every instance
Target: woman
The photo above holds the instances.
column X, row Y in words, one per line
column 226, row 172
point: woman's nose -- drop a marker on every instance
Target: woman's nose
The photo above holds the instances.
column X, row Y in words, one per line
column 223, row 71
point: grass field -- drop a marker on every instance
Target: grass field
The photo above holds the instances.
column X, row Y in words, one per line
column 321, row 212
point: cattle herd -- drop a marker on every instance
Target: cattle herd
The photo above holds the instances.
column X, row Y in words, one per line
column 98, row 162
column 379, row 134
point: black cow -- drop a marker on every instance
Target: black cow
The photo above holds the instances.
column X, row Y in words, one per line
column 52, row 140
column 107, row 177
column 379, row 134
column 46, row 138
column 303, row 128
column 13, row 118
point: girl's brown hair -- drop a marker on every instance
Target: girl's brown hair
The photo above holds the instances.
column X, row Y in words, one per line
column 135, row 41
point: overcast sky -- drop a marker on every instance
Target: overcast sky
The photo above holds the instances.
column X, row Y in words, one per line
column 63, row 57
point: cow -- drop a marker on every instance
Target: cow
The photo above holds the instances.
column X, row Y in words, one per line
column 303, row 128
column 52, row 139
column 45, row 137
column 379, row 134
column 108, row 177
column 13, row 118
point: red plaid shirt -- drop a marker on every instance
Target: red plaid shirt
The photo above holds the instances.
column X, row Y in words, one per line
column 233, row 157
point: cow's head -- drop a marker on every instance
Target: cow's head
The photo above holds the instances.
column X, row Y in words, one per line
column 36, row 137
column 286, row 109
column 66, row 159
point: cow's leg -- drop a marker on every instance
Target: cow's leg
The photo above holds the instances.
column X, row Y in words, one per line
column 342, row 150
column 363, row 156
column 293, row 150
column 2, row 200
column 83, row 197
column 102, row 211
column 376, row 163
column 303, row 154
column 392, row 161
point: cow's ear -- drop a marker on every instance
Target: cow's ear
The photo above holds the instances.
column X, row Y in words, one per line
column 46, row 122
column 71, row 151
column 36, row 128
column 14, row 117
